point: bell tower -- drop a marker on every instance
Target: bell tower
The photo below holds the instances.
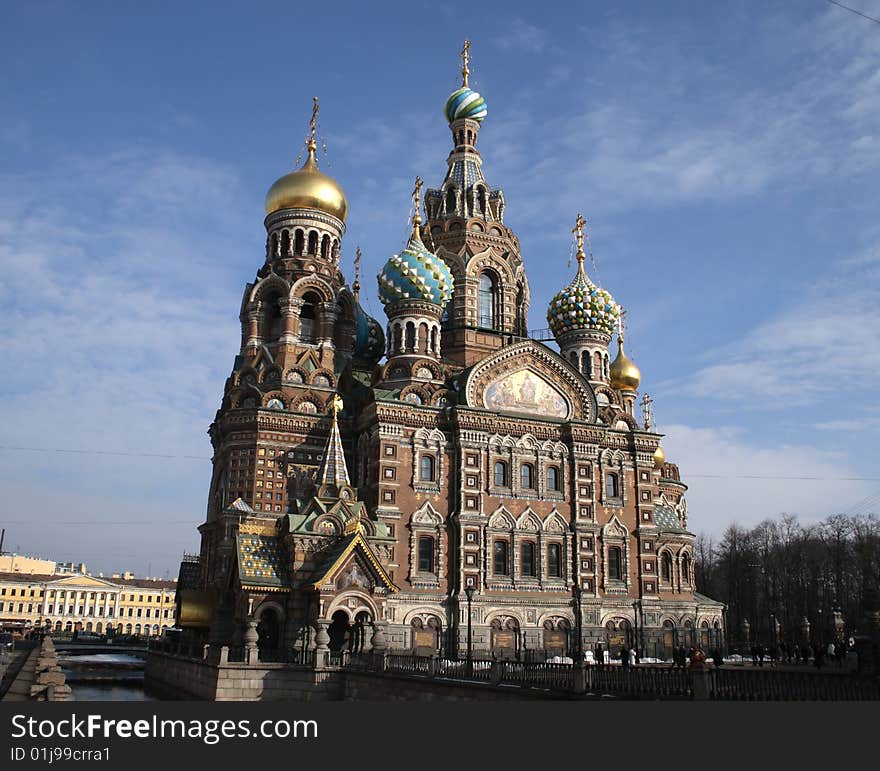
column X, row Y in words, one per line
column 465, row 227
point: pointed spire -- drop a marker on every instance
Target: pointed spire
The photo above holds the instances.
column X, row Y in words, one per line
column 334, row 471
column 417, row 217
column 465, row 60
column 356, row 286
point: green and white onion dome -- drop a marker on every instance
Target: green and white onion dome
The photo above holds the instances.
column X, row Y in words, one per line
column 465, row 103
column 415, row 274
column 582, row 306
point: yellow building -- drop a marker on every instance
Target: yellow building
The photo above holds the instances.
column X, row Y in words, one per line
column 17, row 563
column 67, row 603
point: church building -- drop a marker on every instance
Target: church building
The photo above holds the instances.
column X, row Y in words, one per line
column 445, row 469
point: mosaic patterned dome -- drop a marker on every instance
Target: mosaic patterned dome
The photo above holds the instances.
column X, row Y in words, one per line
column 582, row 305
column 415, row 274
column 465, row 103
column 369, row 339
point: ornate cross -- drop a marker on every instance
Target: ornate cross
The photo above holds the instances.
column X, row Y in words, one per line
column 578, row 230
column 465, row 59
column 313, row 123
column 648, row 411
column 356, row 286
column 336, row 406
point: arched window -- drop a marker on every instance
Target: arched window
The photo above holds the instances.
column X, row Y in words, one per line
column 612, row 488
column 499, row 558
column 273, row 322
column 686, row 569
column 426, row 554
column 410, row 336
column 666, row 567
column 434, row 340
column 615, row 568
column 285, row 241
column 481, row 201
column 298, row 242
column 500, row 474
column 325, row 247
column 585, row 364
column 553, row 478
column 307, row 314
column 426, row 468
column 313, row 242
column 450, row 201
column 527, row 476
column 487, row 301
column 554, row 563
column 527, row 559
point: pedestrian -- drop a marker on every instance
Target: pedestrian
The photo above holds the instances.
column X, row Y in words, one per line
column 717, row 657
column 624, row 657
column 600, row 656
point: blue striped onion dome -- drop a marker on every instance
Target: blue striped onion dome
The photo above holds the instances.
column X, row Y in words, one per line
column 582, row 305
column 415, row 274
column 465, row 103
column 369, row 339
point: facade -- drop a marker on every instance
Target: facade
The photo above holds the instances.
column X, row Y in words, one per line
column 367, row 478
column 67, row 603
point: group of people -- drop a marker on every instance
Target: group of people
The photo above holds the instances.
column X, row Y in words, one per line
column 789, row 653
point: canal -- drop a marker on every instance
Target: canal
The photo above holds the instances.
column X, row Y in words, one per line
column 104, row 676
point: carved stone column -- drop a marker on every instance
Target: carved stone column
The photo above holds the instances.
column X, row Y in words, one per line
column 290, row 310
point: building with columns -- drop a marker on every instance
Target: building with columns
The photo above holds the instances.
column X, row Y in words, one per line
column 364, row 479
column 79, row 602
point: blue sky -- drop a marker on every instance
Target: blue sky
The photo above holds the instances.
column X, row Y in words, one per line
column 725, row 155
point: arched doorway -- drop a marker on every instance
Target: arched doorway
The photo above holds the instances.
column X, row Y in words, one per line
column 57, row 626
column 268, row 630
column 359, row 632
column 616, row 637
column 505, row 638
column 338, row 630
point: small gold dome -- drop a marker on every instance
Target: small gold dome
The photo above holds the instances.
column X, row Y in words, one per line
column 625, row 375
column 659, row 457
column 308, row 188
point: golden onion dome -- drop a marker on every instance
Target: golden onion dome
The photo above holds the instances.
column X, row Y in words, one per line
column 659, row 457
column 625, row 375
column 308, row 188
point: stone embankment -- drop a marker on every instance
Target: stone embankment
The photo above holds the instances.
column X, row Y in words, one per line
column 40, row 677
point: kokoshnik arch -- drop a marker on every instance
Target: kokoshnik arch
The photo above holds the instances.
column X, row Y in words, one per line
column 365, row 478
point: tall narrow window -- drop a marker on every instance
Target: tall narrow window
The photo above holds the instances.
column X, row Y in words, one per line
column 487, row 301
column 499, row 558
column 614, row 567
column 553, row 478
column 527, row 476
column 307, row 321
column 612, row 488
column 527, row 562
column 686, row 568
column 426, row 554
column 500, row 474
column 426, row 468
column 410, row 336
column 554, row 564
column 666, row 567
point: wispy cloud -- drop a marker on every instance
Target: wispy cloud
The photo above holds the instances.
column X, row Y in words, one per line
column 119, row 276
column 522, row 35
column 733, row 479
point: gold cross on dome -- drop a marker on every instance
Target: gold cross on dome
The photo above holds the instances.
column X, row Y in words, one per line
column 578, row 230
column 336, row 405
column 648, row 410
column 313, row 123
column 465, row 60
column 357, row 272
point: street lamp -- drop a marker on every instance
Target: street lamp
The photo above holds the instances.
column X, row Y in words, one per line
column 578, row 621
column 469, row 591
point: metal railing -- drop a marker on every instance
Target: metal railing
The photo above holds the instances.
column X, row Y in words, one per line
column 779, row 685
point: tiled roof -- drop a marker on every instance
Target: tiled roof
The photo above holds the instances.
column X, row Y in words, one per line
column 189, row 575
column 666, row 519
column 260, row 560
